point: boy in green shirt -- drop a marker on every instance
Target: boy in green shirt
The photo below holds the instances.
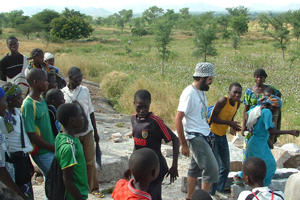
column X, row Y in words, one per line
column 37, row 122
column 69, row 152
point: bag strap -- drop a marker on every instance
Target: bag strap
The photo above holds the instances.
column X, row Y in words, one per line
column 22, row 133
column 251, row 196
column 76, row 96
column 273, row 193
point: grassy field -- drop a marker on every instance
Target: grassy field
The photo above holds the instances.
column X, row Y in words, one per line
column 121, row 70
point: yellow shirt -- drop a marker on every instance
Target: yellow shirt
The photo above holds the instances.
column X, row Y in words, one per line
column 227, row 114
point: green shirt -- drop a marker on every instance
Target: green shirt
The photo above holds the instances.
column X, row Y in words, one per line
column 69, row 152
column 36, row 119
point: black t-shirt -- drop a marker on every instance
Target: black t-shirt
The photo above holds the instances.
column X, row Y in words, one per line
column 52, row 115
column 10, row 66
column 149, row 133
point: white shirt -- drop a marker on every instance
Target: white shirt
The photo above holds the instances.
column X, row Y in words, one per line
column 264, row 194
column 14, row 137
column 84, row 99
column 194, row 105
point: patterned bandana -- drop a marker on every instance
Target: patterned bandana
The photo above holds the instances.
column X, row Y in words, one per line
column 13, row 91
column 272, row 100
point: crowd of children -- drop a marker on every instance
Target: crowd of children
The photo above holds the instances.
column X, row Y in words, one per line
column 56, row 119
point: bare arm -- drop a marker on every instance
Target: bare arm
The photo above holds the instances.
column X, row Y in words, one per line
column 93, row 120
column 245, row 116
column 179, row 127
column 273, row 131
column 173, row 171
column 40, row 142
column 69, row 184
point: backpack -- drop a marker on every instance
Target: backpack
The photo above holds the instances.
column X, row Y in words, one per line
column 85, row 119
column 54, row 184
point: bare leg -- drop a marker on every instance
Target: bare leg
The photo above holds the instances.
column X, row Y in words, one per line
column 206, row 186
column 191, row 181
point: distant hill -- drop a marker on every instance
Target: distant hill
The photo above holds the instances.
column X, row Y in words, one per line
column 141, row 7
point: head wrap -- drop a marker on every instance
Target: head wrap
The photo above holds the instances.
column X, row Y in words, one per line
column 272, row 100
column 13, row 91
column 2, row 93
column 260, row 72
column 48, row 56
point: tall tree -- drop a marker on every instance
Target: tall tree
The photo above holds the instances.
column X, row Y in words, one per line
column 45, row 17
column 30, row 26
column 279, row 31
column 163, row 29
column 293, row 17
column 152, row 13
column 263, row 21
column 239, row 19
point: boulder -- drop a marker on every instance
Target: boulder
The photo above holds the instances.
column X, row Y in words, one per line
column 292, row 191
column 290, row 147
column 280, row 156
column 113, row 167
column 236, row 157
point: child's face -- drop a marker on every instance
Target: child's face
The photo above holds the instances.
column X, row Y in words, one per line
column 13, row 46
column 52, row 82
column 78, row 119
column 59, row 100
column 76, row 79
column 16, row 101
column 50, row 61
column 39, row 59
column 141, row 107
column 3, row 105
column 42, row 83
column 235, row 93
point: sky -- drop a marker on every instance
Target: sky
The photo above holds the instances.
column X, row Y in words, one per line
column 106, row 4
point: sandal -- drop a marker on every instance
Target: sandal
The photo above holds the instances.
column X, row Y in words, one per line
column 98, row 194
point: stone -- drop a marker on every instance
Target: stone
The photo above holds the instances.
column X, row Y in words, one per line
column 7, row 193
column 116, row 135
column 292, row 191
column 290, row 147
column 280, row 156
column 167, row 151
column 113, row 167
column 238, row 140
column 293, row 161
column 236, row 166
column 117, row 140
column 236, row 157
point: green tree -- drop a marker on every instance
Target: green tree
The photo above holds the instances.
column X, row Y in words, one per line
column 30, row 26
column 171, row 16
column 71, row 28
column 16, row 18
column 293, row 17
column 263, row 21
column 45, row 17
column 139, row 24
column 239, row 19
column 279, row 31
column 152, row 13
column 163, row 29
column 67, row 13
column 235, row 42
column 184, row 13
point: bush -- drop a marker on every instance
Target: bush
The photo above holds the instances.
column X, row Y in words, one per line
column 113, row 85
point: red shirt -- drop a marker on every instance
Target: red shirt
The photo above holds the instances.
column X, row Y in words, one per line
column 125, row 191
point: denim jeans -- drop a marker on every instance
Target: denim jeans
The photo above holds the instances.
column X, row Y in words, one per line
column 223, row 158
column 44, row 161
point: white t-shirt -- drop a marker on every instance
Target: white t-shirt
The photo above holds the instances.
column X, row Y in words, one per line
column 194, row 105
column 263, row 193
column 84, row 99
column 14, row 137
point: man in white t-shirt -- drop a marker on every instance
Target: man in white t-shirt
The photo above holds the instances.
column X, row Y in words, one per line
column 193, row 129
column 254, row 172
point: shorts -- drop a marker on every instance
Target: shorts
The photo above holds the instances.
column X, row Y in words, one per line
column 203, row 162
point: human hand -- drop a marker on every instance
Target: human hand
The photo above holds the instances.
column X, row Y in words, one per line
column 232, row 131
column 295, row 133
column 173, row 172
column 243, row 130
column 185, row 150
column 235, row 125
column 96, row 136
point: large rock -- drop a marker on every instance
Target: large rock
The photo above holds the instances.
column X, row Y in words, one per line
column 292, row 191
column 290, row 147
column 8, row 194
column 113, row 167
column 236, row 157
column 286, row 159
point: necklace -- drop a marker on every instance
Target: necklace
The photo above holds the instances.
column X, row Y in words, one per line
column 204, row 107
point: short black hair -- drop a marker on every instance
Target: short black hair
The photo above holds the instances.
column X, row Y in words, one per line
column 142, row 162
column 255, row 168
column 142, row 95
column 269, row 90
column 260, row 72
column 11, row 38
column 66, row 111
column 52, row 94
column 73, row 71
column 200, row 194
column 235, row 84
column 35, row 52
column 34, row 74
